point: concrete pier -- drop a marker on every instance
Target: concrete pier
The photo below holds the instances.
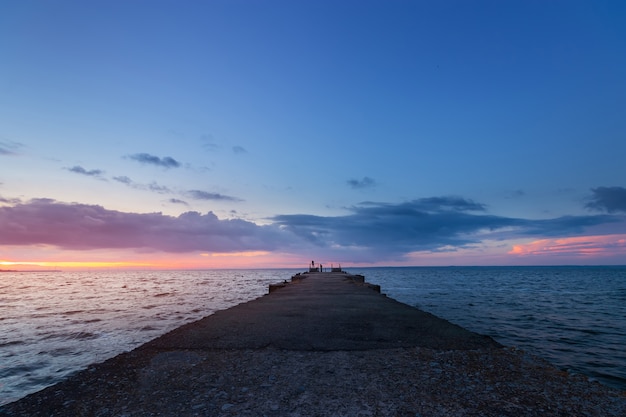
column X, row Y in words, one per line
column 321, row 311
column 322, row 344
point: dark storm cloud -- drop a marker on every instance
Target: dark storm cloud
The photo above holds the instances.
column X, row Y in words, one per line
column 165, row 162
column 365, row 182
column 609, row 199
column 85, row 227
column 77, row 169
column 205, row 195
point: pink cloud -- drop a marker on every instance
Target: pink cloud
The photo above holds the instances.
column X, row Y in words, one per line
column 599, row 247
column 423, row 232
column 81, row 227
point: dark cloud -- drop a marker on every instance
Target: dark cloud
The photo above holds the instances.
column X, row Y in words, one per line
column 609, row 199
column 77, row 169
column 365, row 182
column 565, row 225
column 430, row 224
column 424, row 224
column 429, row 204
column 239, row 150
column 84, row 227
column 178, row 201
column 165, row 162
column 123, row 179
column 205, row 195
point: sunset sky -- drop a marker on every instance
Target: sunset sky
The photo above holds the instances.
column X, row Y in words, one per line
column 226, row 133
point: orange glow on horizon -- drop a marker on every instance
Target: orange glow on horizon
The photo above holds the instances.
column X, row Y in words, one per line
column 75, row 264
column 78, row 261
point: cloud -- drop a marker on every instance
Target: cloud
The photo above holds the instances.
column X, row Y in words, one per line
column 9, row 148
column 381, row 230
column 165, row 162
column 153, row 186
column 205, row 195
column 209, row 143
column 123, row 179
column 5, row 151
column 86, row 227
column 564, row 225
column 365, row 182
column 430, row 204
column 609, row 199
column 239, row 150
column 369, row 232
column 576, row 247
column 178, row 201
column 77, row 169
column 161, row 189
column 9, row 200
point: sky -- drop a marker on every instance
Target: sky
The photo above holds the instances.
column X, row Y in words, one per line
column 262, row 134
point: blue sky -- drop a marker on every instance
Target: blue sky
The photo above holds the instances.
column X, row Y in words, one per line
column 371, row 132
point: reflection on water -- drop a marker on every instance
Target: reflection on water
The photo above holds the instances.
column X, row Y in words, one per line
column 53, row 324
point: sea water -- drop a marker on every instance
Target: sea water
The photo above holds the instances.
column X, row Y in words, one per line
column 53, row 324
column 575, row 317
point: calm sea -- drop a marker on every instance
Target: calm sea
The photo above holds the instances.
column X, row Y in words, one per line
column 53, row 324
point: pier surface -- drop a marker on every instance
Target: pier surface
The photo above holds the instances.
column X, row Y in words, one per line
column 324, row 344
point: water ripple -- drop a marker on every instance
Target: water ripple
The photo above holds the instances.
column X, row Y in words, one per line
column 53, row 324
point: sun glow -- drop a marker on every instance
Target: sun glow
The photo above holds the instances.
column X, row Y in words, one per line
column 72, row 260
column 75, row 264
column 234, row 254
